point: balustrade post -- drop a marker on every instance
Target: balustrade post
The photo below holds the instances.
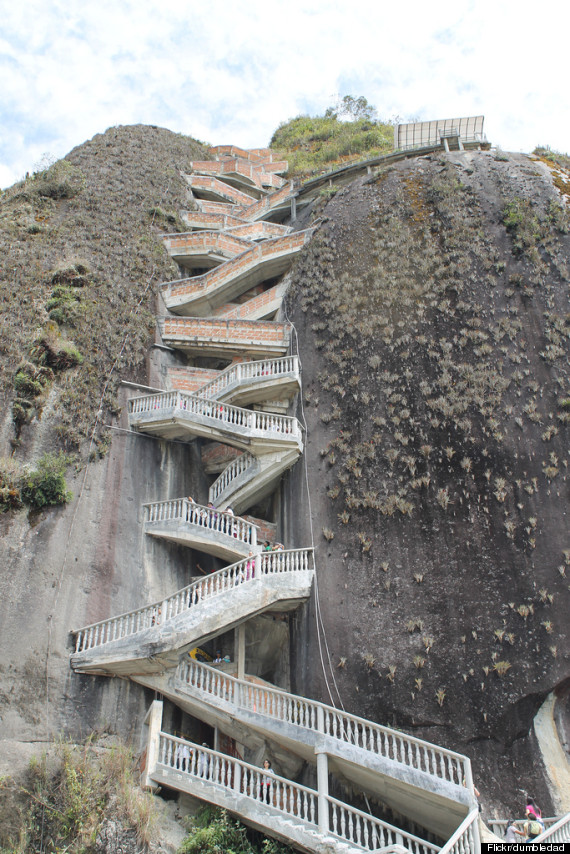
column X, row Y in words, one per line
column 237, row 777
column 320, row 719
column 322, row 790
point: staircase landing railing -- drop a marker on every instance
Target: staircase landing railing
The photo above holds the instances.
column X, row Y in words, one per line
column 263, row 370
column 558, row 832
column 184, row 510
column 319, row 718
column 242, row 464
column 224, row 416
column 290, row 799
column 465, row 840
column 226, row 579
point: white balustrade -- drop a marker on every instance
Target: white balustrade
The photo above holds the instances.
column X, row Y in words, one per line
column 226, row 579
column 498, row 826
column 243, row 463
column 366, row 831
column 232, row 774
column 264, row 369
column 183, row 510
column 223, row 415
column 465, row 840
column 558, row 832
column 291, row 799
column 320, row 718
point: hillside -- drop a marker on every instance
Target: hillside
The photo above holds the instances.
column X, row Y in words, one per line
column 81, row 252
column 432, row 320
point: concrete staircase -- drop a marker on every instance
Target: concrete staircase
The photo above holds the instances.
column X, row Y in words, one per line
column 239, row 241
column 151, row 639
column 199, row 296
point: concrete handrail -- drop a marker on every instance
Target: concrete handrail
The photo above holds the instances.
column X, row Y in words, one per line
column 205, row 241
column 499, row 825
column 465, row 840
column 558, row 832
column 261, row 369
column 243, row 463
column 184, row 510
column 269, row 202
column 273, row 247
column 226, row 579
column 321, row 718
column 291, row 799
column 370, row 833
column 223, row 415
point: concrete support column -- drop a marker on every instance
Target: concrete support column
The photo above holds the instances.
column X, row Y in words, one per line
column 216, row 738
column 323, row 790
column 293, row 209
column 150, row 743
column 239, row 647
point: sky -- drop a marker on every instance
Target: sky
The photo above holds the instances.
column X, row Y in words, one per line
column 230, row 72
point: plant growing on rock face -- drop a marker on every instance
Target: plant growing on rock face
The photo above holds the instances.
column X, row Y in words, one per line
column 501, row 667
column 440, row 695
column 365, row 542
column 328, row 534
column 10, row 474
column 45, row 485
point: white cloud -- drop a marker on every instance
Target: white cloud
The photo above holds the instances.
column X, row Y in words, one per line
column 231, row 73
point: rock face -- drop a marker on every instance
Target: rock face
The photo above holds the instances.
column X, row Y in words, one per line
column 432, row 315
column 73, row 565
column 434, row 341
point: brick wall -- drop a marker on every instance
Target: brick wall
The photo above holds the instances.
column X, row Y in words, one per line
column 235, row 331
column 214, row 185
column 247, row 260
column 216, row 455
column 189, row 379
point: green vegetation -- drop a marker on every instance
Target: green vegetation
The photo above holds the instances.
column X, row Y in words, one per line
column 545, row 153
column 213, row 831
column 45, row 485
column 65, row 798
column 523, row 225
column 313, row 144
column 559, row 164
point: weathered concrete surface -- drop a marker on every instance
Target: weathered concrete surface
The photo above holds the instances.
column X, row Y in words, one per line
column 159, row 647
column 433, row 803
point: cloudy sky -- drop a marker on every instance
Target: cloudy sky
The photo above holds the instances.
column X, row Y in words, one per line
column 230, row 72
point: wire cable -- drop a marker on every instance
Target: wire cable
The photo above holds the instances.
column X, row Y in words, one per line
column 321, row 631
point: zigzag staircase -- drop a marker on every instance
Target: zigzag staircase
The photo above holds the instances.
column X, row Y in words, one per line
column 426, row 790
